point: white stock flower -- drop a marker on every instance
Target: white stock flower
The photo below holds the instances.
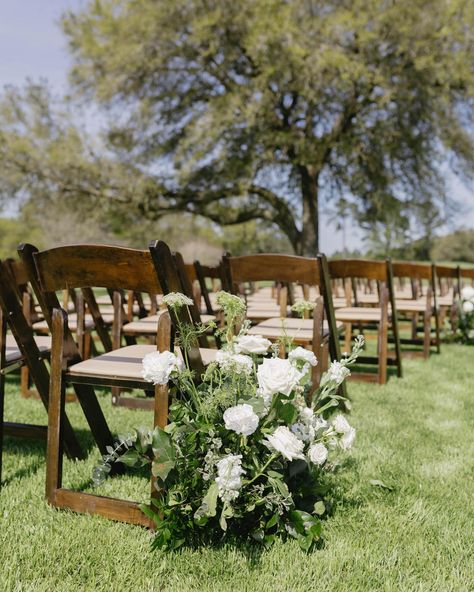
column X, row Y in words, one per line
column 241, row 419
column 275, row 375
column 252, row 344
column 347, row 439
column 230, row 362
column 286, row 443
column 157, row 367
column 229, row 472
column 177, row 299
column 337, row 372
column 305, row 355
column 318, row 454
column 340, row 424
column 467, row 293
column 467, row 306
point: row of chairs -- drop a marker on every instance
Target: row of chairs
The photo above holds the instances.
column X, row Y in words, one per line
column 133, row 282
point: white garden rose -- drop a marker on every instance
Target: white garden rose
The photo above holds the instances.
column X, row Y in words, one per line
column 286, row 443
column 230, row 362
column 467, row 293
column 467, row 306
column 305, row 355
column 347, row 439
column 318, row 454
column 241, row 419
column 275, row 375
column 252, row 344
column 157, row 367
column 229, row 472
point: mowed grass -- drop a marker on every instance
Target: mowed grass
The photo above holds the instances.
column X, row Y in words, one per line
column 416, row 435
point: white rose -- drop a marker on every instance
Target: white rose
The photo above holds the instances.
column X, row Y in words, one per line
column 347, row 439
column 318, row 454
column 467, row 306
column 340, row 424
column 157, row 367
column 305, row 355
column 229, row 472
column 467, row 293
column 241, row 419
column 230, row 362
column 252, row 344
column 286, row 443
column 275, row 375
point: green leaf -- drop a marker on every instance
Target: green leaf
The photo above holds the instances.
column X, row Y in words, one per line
column 319, row 508
column 257, row 404
column 378, row 483
column 273, row 520
column 164, row 454
column 209, row 503
column 130, row 458
column 287, row 412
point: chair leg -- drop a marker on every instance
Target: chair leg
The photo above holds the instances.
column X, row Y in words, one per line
column 2, row 410
column 427, row 334
column 438, row 334
column 347, row 337
column 382, row 345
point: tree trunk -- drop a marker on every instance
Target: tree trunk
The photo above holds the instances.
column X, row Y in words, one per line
column 308, row 244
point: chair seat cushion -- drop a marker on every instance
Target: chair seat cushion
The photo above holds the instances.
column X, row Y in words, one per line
column 125, row 362
column 352, row 314
column 42, row 326
column 13, row 353
column 300, row 330
column 411, row 305
column 145, row 326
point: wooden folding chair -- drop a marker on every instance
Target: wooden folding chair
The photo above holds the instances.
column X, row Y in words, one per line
column 316, row 333
column 448, row 290
column 214, row 275
column 466, row 275
column 423, row 303
column 91, row 266
column 21, row 350
column 379, row 317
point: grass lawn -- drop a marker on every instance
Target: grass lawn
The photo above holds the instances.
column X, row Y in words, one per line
column 416, row 435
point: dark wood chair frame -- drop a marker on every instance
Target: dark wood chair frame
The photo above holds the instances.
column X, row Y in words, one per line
column 86, row 267
column 381, row 273
column 12, row 316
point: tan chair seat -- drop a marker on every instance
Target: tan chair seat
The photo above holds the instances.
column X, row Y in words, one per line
column 352, row 314
column 300, row 330
column 368, row 299
column 445, row 300
column 257, row 315
column 411, row 305
column 125, row 362
column 149, row 325
column 42, row 326
column 13, row 353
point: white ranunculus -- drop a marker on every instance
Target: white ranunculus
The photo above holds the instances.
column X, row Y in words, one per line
column 467, row 306
column 241, row 419
column 338, row 372
column 230, row 362
column 229, row 472
column 305, row 355
column 318, row 454
column 286, row 443
column 347, row 439
column 252, row 344
column 157, row 367
column 340, row 424
column 467, row 293
column 275, row 375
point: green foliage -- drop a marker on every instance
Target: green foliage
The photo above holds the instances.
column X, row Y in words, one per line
column 244, row 110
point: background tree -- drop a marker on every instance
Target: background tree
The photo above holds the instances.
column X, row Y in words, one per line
column 251, row 109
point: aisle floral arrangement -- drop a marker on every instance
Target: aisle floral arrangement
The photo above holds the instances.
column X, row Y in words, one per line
column 247, row 443
column 466, row 315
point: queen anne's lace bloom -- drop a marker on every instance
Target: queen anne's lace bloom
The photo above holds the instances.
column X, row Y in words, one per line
column 230, row 362
column 318, row 454
column 252, row 344
column 286, row 443
column 229, row 472
column 275, row 375
column 241, row 419
column 157, row 367
column 177, row 299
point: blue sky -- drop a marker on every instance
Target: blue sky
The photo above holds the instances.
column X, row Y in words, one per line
column 33, row 46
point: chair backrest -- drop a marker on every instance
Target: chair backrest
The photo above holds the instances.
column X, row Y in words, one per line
column 467, row 273
column 417, row 273
column 214, row 273
column 451, row 275
column 359, row 268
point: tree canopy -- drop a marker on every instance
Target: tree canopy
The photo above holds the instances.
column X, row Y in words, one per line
column 252, row 109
